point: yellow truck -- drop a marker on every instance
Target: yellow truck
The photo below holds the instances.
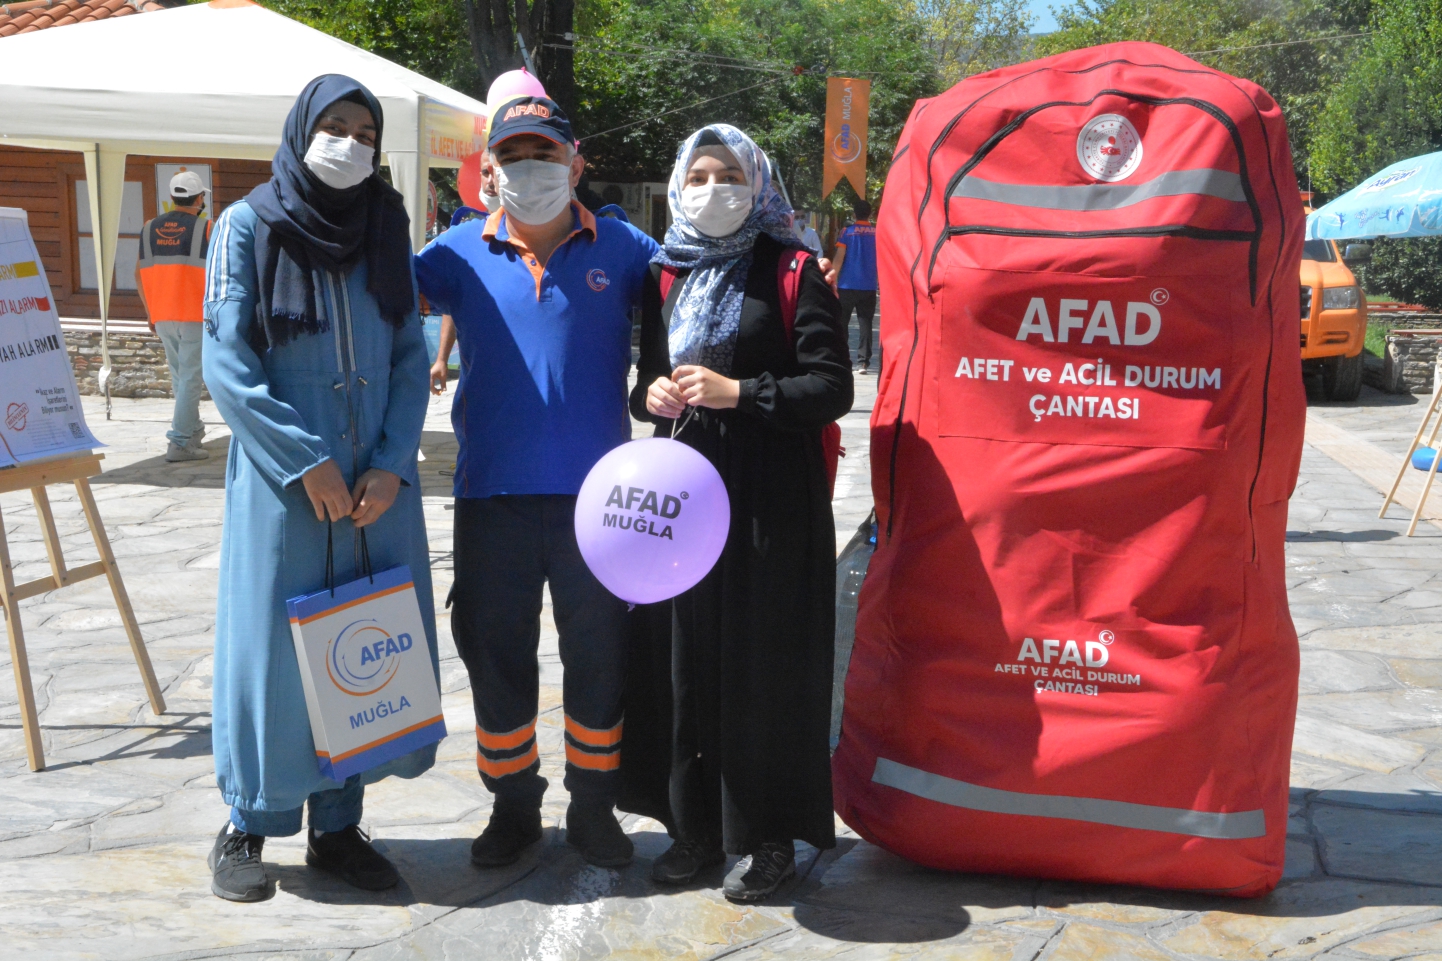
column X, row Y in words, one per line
column 1334, row 316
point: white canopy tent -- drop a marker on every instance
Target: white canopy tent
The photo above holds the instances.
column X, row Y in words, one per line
column 94, row 88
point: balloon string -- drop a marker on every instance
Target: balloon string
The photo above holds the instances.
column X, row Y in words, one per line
column 684, row 421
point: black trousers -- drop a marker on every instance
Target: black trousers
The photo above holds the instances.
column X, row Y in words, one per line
column 506, row 548
column 864, row 303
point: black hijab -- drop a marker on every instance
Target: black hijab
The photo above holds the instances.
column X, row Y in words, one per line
column 307, row 227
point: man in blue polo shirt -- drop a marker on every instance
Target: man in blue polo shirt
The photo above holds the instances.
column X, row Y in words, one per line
column 541, row 293
column 856, row 263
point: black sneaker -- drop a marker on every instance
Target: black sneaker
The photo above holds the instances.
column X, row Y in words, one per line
column 594, row 831
column 511, row 830
column 684, row 860
column 236, row 871
column 759, row 875
column 348, row 855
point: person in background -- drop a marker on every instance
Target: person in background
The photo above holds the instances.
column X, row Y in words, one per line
column 856, row 267
column 170, row 275
column 810, row 239
column 491, row 201
column 542, row 293
column 746, row 653
column 317, row 360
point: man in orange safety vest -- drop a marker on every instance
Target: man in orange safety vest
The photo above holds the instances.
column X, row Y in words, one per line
column 170, row 275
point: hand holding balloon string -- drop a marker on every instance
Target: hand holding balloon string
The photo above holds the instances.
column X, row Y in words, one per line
column 692, row 386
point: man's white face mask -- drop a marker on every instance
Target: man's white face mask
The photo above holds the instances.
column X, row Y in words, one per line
column 534, row 191
column 339, row 162
column 717, row 210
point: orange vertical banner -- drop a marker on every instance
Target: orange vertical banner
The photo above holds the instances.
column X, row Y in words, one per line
column 847, row 104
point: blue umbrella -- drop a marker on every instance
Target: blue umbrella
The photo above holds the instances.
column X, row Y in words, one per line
column 1405, row 200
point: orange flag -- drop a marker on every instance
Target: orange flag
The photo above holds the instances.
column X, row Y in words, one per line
column 847, row 102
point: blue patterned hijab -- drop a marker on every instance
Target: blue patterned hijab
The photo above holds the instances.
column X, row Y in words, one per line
column 707, row 315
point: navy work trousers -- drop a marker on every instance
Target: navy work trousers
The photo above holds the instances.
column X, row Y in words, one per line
column 507, row 548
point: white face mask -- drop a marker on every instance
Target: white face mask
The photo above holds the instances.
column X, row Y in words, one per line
column 340, row 162
column 491, row 202
column 534, row 191
column 717, row 210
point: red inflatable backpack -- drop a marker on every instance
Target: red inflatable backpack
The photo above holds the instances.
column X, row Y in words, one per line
column 1074, row 657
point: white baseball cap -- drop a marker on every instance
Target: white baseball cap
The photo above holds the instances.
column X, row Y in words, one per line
column 187, row 183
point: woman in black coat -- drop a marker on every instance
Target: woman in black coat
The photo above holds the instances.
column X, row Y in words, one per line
column 734, row 756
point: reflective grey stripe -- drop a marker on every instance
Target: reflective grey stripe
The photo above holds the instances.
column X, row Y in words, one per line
column 1174, row 183
column 1122, row 814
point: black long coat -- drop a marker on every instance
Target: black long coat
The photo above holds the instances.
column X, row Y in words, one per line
column 729, row 686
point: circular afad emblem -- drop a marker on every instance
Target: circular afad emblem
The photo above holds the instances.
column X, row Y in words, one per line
column 597, row 280
column 363, row 657
column 1109, row 147
column 1107, row 637
column 846, row 146
column 1160, row 296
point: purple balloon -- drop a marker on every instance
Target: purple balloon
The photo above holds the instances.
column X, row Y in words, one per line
column 651, row 519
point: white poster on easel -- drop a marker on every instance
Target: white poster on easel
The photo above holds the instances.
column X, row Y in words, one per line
column 40, row 413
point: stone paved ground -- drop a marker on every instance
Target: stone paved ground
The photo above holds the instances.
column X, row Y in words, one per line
column 102, row 855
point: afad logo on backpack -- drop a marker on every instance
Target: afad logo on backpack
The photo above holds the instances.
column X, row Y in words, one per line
column 363, row 657
column 1069, row 666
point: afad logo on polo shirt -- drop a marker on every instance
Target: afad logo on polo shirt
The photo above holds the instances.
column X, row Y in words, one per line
column 597, row 280
column 527, row 110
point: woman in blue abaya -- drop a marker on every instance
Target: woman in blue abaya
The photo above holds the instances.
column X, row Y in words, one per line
column 317, row 360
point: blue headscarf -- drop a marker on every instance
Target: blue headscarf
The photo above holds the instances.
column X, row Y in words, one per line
column 306, row 227
column 707, row 315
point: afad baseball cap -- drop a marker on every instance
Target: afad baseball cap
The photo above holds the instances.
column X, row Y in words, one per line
column 533, row 115
column 187, row 183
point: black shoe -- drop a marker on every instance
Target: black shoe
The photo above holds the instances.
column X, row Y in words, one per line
column 684, row 860
column 511, row 831
column 348, row 855
column 236, row 871
column 594, row 831
column 761, row 874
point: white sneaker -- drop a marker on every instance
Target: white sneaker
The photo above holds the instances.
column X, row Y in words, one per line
column 175, row 453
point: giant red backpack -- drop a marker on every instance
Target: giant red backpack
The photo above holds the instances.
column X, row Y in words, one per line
column 788, row 283
column 1074, row 657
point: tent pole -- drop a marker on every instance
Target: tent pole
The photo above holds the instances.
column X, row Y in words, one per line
column 105, row 184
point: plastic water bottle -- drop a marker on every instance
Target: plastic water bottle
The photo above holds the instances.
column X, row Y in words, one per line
column 850, row 573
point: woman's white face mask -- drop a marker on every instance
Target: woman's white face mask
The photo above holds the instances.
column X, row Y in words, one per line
column 339, row 162
column 535, row 192
column 717, row 210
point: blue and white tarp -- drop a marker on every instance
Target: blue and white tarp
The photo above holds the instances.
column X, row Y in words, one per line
column 1404, row 200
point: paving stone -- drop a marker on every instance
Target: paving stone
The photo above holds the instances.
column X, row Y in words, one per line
column 1401, row 942
column 1083, row 942
column 1379, row 845
column 1331, row 740
column 1299, row 919
column 1326, row 672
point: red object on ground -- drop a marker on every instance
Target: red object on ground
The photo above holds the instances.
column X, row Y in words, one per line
column 1074, row 657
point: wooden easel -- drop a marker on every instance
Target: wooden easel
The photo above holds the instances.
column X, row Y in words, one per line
column 34, row 477
column 1416, row 443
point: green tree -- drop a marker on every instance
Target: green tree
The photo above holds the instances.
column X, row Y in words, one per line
column 966, row 37
column 1389, row 105
column 646, row 66
column 427, row 36
column 1285, row 46
column 1407, row 270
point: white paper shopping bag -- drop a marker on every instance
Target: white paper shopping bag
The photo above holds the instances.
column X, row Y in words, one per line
column 369, row 684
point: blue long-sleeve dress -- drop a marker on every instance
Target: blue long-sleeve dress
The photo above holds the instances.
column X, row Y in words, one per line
column 287, row 411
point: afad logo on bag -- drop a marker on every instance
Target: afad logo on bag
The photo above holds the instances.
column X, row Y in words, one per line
column 662, row 507
column 1068, row 666
column 364, row 657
